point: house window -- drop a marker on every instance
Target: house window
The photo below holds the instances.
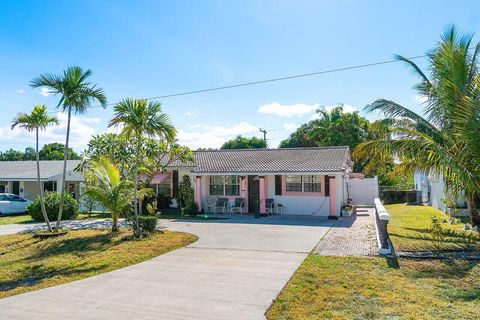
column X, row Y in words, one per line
column 50, row 186
column 224, row 186
column 216, row 185
column 164, row 186
column 232, row 186
column 310, row 183
column 293, row 183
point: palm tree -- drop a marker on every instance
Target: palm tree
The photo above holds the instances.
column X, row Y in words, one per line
column 105, row 185
column 445, row 140
column 37, row 120
column 77, row 94
column 138, row 118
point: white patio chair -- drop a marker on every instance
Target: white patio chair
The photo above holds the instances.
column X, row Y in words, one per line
column 221, row 205
column 270, row 206
column 279, row 209
column 210, row 204
column 238, row 205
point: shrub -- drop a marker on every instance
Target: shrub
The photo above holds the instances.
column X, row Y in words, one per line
column 185, row 192
column 147, row 223
column 438, row 233
column 163, row 201
column 191, row 208
column 52, row 205
column 152, row 208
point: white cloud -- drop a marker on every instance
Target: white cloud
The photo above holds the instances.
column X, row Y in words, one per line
column 290, row 126
column 45, row 92
column 206, row 136
column 188, row 114
column 21, row 91
column 421, row 98
column 291, row 110
column 81, row 131
column 346, row 109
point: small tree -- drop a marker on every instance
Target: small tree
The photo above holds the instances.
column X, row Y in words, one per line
column 105, row 184
column 37, row 120
column 186, row 199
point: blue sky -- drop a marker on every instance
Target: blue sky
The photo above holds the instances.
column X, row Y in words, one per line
column 151, row 48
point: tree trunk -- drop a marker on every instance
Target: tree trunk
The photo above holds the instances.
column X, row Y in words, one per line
column 135, row 201
column 114, row 222
column 42, row 200
column 473, row 210
column 64, row 175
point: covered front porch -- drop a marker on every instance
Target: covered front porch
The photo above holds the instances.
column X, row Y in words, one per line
column 269, row 194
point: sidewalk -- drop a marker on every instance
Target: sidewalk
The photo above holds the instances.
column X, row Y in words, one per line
column 351, row 236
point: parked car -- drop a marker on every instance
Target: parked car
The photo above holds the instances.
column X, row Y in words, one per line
column 11, row 203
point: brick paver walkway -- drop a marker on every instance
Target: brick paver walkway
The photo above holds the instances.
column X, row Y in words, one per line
column 351, row 236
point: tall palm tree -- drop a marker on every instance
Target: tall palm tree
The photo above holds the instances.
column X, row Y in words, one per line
column 445, row 140
column 138, row 118
column 77, row 94
column 37, row 120
column 105, row 185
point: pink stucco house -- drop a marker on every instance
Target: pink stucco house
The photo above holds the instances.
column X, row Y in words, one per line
column 304, row 181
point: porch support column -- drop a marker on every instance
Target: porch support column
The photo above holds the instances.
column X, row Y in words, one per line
column 332, row 199
column 198, row 193
column 262, row 195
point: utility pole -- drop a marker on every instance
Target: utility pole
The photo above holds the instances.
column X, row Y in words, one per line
column 264, row 136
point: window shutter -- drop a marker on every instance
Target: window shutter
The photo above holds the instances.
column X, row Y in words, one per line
column 327, row 186
column 175, row 182
column 278, row 185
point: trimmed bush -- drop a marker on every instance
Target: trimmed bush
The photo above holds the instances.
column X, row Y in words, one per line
column 191, row 209
column 147, row 223
column 52, row 205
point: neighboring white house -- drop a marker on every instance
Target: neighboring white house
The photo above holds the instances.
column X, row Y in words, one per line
column 306, row 181
column 20, row 177
column 432, row 188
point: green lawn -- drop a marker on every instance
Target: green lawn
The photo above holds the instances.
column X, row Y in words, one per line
column 28, row 263
column 25, row 218
column 367, row 288
column 410, row 230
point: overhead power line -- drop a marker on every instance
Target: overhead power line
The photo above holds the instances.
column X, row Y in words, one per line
column 290, row 77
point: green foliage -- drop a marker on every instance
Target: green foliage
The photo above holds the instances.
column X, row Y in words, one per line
column 333, row 128
column 50, row 151
column 88, row 202
column 244, row 143
column 191, row 209
column 185, row 192
column 54, row 151
column 338, row 128
column 437, row 232
column 445, row 140
column 52, row 205
column 12, row 155
column 147, row 223
column 153, row 153
column 164, row 201
column 105, row 185
column 152, row 208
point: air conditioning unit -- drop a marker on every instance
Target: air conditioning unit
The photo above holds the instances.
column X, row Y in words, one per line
column 413, row 197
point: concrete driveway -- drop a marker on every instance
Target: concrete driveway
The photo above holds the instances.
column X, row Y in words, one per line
column 234, row 271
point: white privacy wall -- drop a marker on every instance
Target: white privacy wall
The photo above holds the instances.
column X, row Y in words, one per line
column 363, row 191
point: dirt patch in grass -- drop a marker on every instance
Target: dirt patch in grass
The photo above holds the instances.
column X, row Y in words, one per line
column 28, row 263
column 367, row 288
column 410, row 230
